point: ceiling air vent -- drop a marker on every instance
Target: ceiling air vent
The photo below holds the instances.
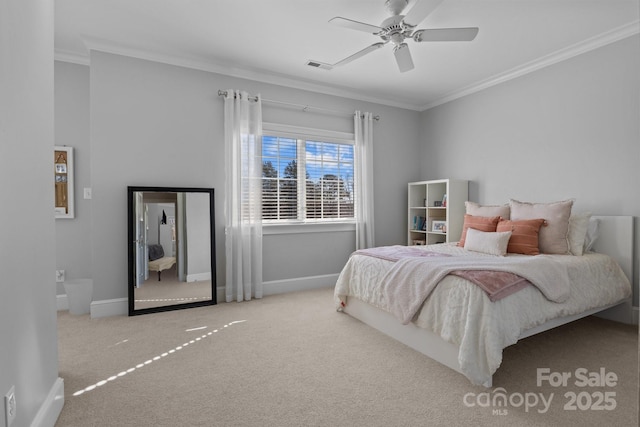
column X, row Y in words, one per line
column 317, row 64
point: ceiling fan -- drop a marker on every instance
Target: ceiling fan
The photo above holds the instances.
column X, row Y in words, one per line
column 396, row 29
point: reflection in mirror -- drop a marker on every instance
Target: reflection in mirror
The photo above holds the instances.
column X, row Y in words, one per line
column 171, row 248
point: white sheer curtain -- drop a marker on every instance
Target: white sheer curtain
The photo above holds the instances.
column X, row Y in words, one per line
column 243, row 199
column 363, row 123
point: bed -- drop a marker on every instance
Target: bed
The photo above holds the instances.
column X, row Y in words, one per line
column 459, row 326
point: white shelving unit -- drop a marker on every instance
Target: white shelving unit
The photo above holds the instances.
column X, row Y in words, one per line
column 427, row 204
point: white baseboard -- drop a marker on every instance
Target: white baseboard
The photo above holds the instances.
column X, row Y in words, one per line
column 110, row 307
column 120, row 306
column 198, row 277
column 103, row 308
column 62, row 302
column 52, row 406
column 274, row 287
column 221, row 295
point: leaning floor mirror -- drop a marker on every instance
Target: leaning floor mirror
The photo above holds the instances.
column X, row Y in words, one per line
column 171, row 248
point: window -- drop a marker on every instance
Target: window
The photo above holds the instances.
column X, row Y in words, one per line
column 307, row 175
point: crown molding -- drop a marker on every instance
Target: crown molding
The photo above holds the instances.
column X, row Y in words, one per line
column 72, row 57
column 587, row 45
column 94, row 44
column 584, row 46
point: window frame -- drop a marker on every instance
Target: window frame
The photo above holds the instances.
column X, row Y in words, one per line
column 277, row 226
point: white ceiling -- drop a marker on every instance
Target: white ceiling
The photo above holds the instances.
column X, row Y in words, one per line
column 271, row 41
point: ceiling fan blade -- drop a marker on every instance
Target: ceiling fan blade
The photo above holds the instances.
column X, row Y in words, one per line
column 419, row 11
column 360, row 54
column 355, row 25
column 446, row 35
column 403, row 57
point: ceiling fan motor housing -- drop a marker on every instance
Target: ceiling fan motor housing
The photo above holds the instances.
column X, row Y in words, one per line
column 394, row 29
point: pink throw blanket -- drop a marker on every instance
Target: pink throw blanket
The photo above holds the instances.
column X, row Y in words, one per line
column 497, row 284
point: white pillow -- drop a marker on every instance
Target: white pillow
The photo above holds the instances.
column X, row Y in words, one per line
column 487, row 242
column 476, row 209
column 578, row 224
column 592, row 234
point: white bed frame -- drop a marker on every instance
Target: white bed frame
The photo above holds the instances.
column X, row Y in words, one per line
column 615, row 239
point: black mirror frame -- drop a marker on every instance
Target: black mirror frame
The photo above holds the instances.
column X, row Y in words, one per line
column 131, row 250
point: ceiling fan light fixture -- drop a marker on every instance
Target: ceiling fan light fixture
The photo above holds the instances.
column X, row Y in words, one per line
column 395, row 7
column 397, row 39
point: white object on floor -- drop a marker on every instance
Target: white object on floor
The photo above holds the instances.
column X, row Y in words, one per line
column 79, row 295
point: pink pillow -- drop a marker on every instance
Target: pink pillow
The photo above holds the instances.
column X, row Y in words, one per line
column 524, row 235
column 481, row 223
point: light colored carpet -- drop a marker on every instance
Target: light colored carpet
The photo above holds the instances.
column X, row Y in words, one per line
column 170, row 291
column 292, row 360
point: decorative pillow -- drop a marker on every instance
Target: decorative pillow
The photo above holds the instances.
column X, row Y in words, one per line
column 491, row 243
column 524, row 235
column 155, row 252
column 578, row 225
column 475, row 209
column 481, row 223
column 553, row 236
column 593, row 233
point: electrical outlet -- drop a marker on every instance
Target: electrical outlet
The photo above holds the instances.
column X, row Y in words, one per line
column 59, row 276
column 10, row 407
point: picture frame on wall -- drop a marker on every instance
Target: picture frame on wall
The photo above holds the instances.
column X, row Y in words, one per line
column 63, row 182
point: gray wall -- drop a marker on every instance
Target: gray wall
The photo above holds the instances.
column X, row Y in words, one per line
column 73, row 236
column 29, row 349
column 158, row 124
column 198, row 247
column 149, row 126
column 570, row 130
column 154, row 214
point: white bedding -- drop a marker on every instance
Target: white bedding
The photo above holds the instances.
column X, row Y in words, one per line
column 461, row 313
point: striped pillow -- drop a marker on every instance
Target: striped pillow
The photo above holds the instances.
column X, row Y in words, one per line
column 482, row 223
column 524, row 235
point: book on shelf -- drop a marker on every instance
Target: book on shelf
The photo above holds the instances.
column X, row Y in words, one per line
column 419, row 223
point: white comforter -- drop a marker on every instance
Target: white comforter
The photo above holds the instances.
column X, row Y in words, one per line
column 461, row 313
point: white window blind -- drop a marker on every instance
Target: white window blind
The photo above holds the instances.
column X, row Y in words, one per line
column 307, row 175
